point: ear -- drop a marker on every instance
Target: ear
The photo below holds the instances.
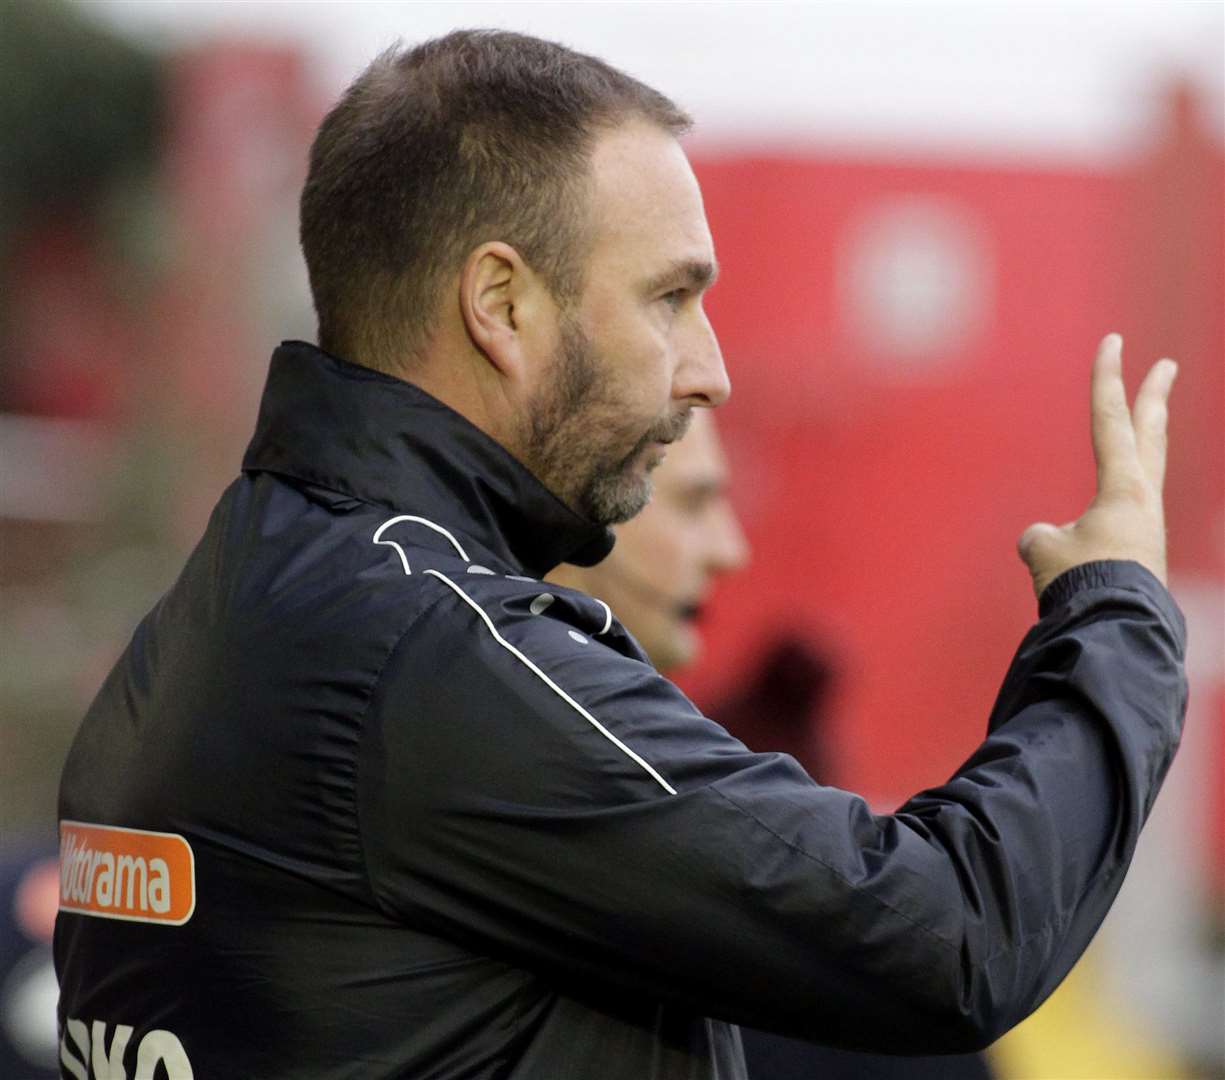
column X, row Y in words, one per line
column 500, row 299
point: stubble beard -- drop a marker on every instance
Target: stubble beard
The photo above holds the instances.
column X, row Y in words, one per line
column 567, row 435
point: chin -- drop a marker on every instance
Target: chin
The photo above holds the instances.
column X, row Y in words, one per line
column 678, row 653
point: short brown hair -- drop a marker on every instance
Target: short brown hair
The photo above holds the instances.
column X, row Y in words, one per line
column 479, row 135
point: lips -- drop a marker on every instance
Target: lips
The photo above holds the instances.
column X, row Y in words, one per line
column 671, row 429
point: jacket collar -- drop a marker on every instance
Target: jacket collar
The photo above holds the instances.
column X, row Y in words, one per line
column 377, row 438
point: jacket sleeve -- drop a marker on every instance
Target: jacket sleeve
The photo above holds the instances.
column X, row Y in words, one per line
column 543, row 798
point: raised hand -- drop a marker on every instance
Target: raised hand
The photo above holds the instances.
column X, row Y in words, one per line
column 1125, row 520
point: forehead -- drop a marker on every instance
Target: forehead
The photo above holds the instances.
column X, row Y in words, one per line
column 646, row 205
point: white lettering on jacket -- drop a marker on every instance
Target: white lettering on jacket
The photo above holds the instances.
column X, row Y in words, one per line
column 89, row 1058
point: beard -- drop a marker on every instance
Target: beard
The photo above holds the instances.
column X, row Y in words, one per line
column 576, row 433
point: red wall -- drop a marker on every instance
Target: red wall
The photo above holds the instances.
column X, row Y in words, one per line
column 883, row 477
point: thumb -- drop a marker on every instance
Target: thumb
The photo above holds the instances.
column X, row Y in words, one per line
column 1035, row 540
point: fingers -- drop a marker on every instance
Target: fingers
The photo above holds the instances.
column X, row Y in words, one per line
column 1149, row 415
column 1124, row 521
column 1114, row 442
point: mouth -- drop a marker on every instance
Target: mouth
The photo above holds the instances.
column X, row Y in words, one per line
column 690, row 612
column 652, row 455
column 653, row 446
column 669, row 431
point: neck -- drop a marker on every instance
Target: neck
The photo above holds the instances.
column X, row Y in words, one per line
column 465, row 381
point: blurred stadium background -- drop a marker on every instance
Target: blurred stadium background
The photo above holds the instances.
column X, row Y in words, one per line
column 927, row 215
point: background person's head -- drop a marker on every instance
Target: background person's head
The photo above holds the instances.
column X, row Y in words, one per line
column 514, row 226
column 666, row 559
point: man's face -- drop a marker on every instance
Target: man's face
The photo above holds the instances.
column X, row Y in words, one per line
column 666, row 559
column 635, row 353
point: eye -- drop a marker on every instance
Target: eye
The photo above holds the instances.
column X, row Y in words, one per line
column 675, row 298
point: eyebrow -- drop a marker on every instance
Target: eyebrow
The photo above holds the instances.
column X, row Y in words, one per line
column 696, row 274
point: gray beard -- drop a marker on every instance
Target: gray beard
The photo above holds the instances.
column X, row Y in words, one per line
column 566, row 421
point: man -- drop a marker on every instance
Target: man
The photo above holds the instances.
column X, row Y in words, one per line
column 364, row 798
column 659, row 573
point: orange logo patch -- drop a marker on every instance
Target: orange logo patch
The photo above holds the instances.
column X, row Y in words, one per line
column 117, row 873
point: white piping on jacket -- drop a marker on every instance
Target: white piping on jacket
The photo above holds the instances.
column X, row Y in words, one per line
column 550, row 683
column 607, row 617
column 378, row 534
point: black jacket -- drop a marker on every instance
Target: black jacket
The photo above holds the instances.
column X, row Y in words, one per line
column 441, row 820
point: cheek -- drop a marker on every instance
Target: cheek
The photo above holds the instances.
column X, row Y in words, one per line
column 651, row 550
column 640, row 361
column 655, row 374
column 672, row 562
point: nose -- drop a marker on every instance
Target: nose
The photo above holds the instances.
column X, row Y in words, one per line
column 729, row 547
column 701, row 377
